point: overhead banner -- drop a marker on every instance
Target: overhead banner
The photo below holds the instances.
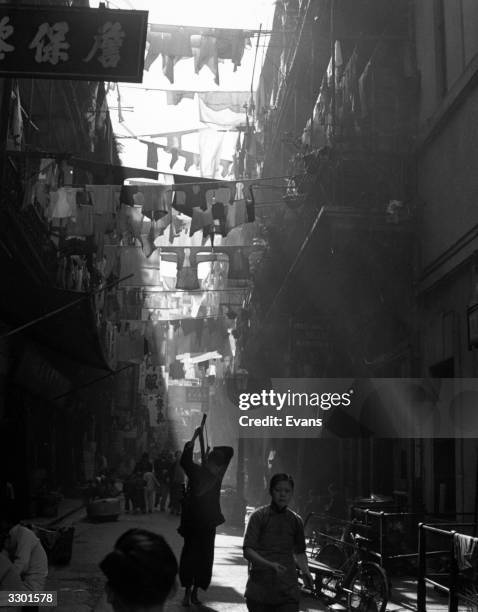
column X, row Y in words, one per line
column 76, row 43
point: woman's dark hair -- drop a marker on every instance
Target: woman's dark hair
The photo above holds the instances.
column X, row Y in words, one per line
column 280, row 478
column 141, row 569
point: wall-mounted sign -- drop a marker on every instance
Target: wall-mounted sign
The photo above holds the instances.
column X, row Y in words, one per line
column 72, row 43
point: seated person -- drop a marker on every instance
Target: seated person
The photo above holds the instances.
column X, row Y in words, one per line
column 24, row 550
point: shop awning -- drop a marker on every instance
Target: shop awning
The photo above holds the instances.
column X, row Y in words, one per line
column 72, row 332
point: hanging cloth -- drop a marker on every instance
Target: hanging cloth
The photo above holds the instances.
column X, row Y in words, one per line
column 188, row 196
column 204, row 49
column 188, row 276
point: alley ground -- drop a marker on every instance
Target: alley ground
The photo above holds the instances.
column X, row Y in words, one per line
column 80, row 584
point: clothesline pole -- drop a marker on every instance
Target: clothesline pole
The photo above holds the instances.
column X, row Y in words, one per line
column 253, row 73
column 92, row 382
column 62, row 308
column 295, row 262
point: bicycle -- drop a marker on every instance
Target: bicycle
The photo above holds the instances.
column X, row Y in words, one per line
column 338, row 576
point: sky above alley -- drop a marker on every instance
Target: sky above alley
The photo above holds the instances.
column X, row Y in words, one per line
column 145, row 112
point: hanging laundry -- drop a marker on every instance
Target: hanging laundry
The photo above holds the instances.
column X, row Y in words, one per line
column 250, row 159
column 197, row 221
column 174, row 46
column 147, row 242
column 222, row 193
column 189, row 157
column 251, row 206
column 154, row 40
column 236, row 214
column 155, row 200
column 210, row 149
column 76, row 245
column 216, row 276
column 143, row 270
column 226, row 167
column 127, row 193
column 82, row 223
column 225, row 118
column 217, row 200
column 204, row 50
column 208, row 226
column 105, row 198
column 190, row 192
column 175, row 97
column 130, row 220
column 219, row 216
column 240, row 156
column 187, row 278
column 62, row 203
column 168, row 270
column 231, row 44
column 152, row 155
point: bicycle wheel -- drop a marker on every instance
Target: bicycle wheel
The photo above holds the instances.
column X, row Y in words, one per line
column 369, row 589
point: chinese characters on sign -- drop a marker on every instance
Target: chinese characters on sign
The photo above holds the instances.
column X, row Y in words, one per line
column 6, row 30
column 49, row 43
column 72, row 42
column 108, row 43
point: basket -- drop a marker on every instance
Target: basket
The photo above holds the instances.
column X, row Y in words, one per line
column 58, row 543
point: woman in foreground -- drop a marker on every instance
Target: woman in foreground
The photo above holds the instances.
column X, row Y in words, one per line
column 274, row 544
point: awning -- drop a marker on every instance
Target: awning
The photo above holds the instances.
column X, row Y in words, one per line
column 72, row 332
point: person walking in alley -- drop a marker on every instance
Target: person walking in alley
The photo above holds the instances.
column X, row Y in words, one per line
column 140, row 571
column 162, row 466
column 274, row 545
column 200, row 515
column 129, row 493
column 144, row 464
column 138, row 485
column 24, row 550
column 150, row 488
column 177, row 479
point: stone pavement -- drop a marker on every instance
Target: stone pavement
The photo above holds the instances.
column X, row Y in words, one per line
column 80, row 584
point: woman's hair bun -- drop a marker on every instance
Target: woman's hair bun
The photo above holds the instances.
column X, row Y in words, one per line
column 142, row 568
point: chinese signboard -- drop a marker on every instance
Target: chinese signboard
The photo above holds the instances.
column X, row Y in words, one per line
column 72, row 43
